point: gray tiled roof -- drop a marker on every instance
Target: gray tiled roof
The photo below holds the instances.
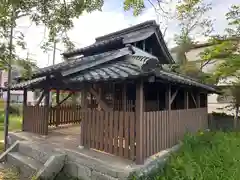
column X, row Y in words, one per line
column 177, row 78
column 119, row 70
column 125, row 63
column 82, row 61
column 27, row 83
column 115, row 40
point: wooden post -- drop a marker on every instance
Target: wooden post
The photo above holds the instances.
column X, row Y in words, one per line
column 47, row 110
column 168, row 108
column 168, row 98
column 198, row 100
column 24, row 108
column 124, row 97
column 144, row 45
column 83, row 124
column 58, row 107
column 186, row 104
column 139, row 123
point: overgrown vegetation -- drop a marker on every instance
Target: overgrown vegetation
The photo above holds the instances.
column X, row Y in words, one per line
column 205, row 156
column 15, row 121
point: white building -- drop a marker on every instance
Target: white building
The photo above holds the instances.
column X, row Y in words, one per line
column 16, row 96
column 216, row 103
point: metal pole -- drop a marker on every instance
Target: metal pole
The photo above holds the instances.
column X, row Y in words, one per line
column 6, row 121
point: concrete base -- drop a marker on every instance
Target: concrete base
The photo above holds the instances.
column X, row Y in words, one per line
column 88, row 164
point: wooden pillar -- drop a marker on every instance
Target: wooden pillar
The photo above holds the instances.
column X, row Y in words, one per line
column 139, row 123
column 124, row 97
column 47, row 110
column 58, row 107
column 198, row 99
column 168, row 108
column 168, row 98
column 83, row 125
column 144, row 45
column 186, row 101
column 24, row 109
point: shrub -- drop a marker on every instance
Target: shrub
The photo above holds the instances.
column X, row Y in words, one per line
column 212, row 155
column 15, row 109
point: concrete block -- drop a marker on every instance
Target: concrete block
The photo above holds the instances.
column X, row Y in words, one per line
column 99, row 176
column 52, row 167
column 84, row 172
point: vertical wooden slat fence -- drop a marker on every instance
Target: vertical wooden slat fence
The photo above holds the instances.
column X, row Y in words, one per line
column 112, row 132
column 164, row 129
column 64, row 114
column 35, row 121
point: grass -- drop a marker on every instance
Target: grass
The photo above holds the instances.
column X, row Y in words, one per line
column 205, row 156
column 15, row 123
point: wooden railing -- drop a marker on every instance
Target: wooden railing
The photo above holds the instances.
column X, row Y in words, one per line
column 64, row 114
column 163, row 129
column 35, row 119
column 111, row 132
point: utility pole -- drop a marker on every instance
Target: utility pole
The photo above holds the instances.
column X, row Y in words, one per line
column 6, row 121
column 53, row 62
column 54, row 51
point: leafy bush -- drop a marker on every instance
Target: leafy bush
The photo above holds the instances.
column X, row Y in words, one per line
column 15, row 109
column 206, row 156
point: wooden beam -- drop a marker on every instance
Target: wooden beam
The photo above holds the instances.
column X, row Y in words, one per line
column 139, row 123
column 40, row 98
column 99, row 99
column 194, row 100
column 69, row 95
column 174, row 96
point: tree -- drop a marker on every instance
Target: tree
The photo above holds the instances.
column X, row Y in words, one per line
column 226, row 52
column 56, row 15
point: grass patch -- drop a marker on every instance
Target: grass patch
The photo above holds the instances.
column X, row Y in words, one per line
column 15, row 123
column 9, row 173
column 205, row 156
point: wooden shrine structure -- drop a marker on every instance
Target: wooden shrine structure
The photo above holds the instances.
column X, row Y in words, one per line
column 130, row 106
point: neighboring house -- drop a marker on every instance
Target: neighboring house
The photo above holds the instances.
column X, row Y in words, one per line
column 16, row 96
column 216, row 103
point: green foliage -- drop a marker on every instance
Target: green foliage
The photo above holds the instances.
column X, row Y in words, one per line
column 136, row 5
column 205, row 156
column 16, row 109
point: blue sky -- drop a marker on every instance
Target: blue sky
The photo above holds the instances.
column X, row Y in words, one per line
column 112, row 18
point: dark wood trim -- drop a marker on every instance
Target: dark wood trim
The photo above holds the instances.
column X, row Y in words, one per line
column 139, row 123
